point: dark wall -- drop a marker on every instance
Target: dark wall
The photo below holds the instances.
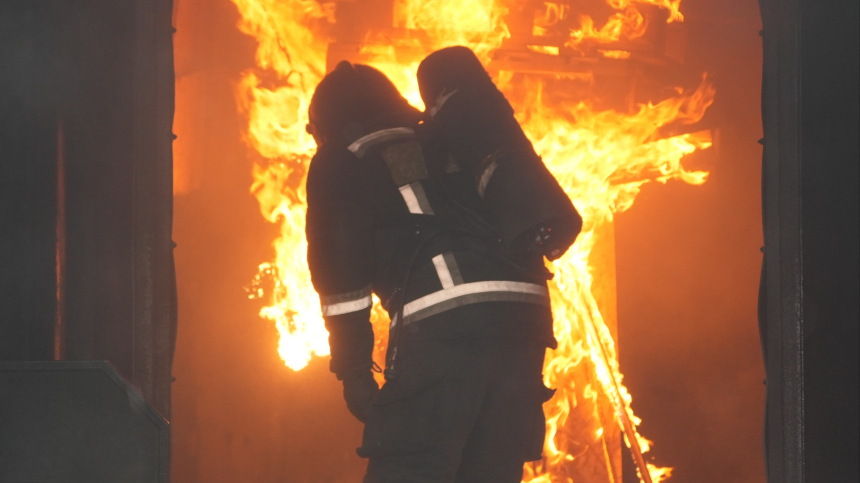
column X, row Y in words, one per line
column 810, row 283
column 830, row 158
column 28, row 158
column 72, row 72
column 97, row 61
column 74, row 69
column 86, row 199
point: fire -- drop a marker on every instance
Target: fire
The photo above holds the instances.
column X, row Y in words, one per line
column 601, row 158
column 627, row 22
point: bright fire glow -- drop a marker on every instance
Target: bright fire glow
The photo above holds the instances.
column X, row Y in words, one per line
column 601, row 158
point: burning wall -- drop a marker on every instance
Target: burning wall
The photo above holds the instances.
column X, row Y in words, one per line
column 202, row 330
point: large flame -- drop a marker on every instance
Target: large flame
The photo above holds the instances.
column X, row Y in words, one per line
column 601, row 158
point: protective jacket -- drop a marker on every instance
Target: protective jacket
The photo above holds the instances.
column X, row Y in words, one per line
column 390, row 213
column 525, row 204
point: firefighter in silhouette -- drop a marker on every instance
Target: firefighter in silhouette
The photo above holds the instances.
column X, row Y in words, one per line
column 393, row 211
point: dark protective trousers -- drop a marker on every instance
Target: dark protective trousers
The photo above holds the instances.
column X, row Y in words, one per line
column 459, row 411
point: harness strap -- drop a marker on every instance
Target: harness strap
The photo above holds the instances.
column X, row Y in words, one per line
column 360, row 146
column 474, row 292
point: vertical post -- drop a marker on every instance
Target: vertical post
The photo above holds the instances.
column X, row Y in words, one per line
column 60, row 247
column 154, row 299
column 782, row 277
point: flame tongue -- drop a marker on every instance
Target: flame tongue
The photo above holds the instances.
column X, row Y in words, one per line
column 601, row 158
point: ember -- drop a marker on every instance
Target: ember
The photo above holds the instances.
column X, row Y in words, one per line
column 602, row 157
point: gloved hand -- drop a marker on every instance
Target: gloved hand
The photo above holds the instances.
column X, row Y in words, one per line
column 350, row 338
column 359, row 391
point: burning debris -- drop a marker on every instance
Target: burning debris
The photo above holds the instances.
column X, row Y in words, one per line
column 549, row 60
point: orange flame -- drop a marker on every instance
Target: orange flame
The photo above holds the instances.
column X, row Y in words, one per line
column 601, row 158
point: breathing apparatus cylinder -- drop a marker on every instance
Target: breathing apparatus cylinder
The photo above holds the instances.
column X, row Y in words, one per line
column 525, row 204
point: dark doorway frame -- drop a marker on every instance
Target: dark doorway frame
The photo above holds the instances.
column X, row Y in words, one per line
column 808, row 306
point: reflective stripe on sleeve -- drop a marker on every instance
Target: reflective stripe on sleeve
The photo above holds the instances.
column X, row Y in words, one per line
column 345, row 303
column 360, row 146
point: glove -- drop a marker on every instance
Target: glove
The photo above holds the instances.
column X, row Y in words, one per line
column 351, row 343
column 359, row 391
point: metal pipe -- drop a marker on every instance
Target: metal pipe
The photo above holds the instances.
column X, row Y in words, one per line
column 60, row 248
